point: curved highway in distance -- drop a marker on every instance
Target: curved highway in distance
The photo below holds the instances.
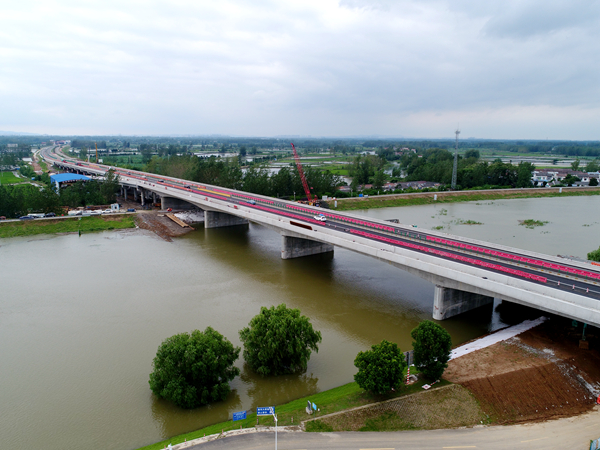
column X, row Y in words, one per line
column 579, row 278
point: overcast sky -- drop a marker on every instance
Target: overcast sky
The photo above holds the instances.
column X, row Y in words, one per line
column 500, row 69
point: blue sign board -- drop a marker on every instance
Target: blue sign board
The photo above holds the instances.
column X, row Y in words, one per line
column 239, row 415
column 265, row 410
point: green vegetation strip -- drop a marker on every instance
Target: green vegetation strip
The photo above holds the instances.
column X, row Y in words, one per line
column 9, row 178
column 449, row 407
column 409, row 200
column 70, row 225
column 334, row 400
column 531, row 223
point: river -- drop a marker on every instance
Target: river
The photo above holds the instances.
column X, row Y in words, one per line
column 81, row 318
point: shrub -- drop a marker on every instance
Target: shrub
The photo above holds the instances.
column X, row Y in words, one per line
column 194, row 369
column 380, row 369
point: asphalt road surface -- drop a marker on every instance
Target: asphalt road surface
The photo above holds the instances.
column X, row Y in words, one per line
column 571, row 433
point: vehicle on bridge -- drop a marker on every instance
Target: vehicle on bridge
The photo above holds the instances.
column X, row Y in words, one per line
column 320, row 218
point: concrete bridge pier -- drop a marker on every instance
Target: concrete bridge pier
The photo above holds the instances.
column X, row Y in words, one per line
column 214, row 219
column 142, row 196
column 174, row 203
column 297, row 247
column 448, row 302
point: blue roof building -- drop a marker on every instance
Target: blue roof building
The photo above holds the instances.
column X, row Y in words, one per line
column 67, row 177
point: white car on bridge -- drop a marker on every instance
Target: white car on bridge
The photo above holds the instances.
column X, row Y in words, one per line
column 320, row 218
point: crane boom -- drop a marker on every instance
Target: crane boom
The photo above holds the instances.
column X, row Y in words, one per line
column 303, row 177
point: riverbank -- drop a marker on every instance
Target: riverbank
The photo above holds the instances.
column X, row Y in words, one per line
column 426, row 198
column 346, row 397
column 516, row 375
column 66, row 225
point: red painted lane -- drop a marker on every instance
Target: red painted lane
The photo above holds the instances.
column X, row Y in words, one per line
column 293, row 216
column 515, row 257
column 442, row 253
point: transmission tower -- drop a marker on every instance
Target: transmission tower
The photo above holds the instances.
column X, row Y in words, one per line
column 455, row 166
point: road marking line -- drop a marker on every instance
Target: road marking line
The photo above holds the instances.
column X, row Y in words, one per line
column 538, row 439
column 462, row 446
column 377, row 448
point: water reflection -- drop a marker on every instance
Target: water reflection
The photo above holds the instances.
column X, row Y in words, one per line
column 269, row 391
column 172, row 420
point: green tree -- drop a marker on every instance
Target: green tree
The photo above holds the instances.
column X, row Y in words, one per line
column 146, row 151
column 593, row 181
column 593, row 166
column 524, row 171
column 575, row 164
column 279, row 340
column 570, row 179
column 379, row 180
column 110, row 187
column 432, row 349
column 194, row 369
column 472, row 154
column 594, row 256
column 380, row 369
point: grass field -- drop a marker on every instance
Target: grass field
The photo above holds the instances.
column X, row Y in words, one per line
column 70, row 225
column 9, row 178
column 334, row 400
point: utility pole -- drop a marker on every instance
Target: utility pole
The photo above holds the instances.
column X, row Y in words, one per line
column 455, row 166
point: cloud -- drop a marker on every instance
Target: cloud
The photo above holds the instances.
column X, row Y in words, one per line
column 301, row 67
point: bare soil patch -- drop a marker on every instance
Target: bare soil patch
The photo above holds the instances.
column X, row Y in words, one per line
column 539, row 375
column 161, row 225
column 532, row 394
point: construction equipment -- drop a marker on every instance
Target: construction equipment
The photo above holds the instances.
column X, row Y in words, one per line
column 309, row 196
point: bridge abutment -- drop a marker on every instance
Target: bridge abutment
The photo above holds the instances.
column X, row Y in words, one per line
column 214, row 219
column 448, row 302
column 295, row 247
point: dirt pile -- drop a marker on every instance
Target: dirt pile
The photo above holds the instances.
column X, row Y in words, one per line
column 161, row 225
column 539, row 375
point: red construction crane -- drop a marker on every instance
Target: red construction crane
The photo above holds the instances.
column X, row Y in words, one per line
column 303, row 178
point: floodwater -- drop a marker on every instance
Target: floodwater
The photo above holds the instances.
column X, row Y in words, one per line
column 572, row 228
column 81, row 318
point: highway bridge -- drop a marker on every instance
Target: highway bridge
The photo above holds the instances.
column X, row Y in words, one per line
column 466, row 273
